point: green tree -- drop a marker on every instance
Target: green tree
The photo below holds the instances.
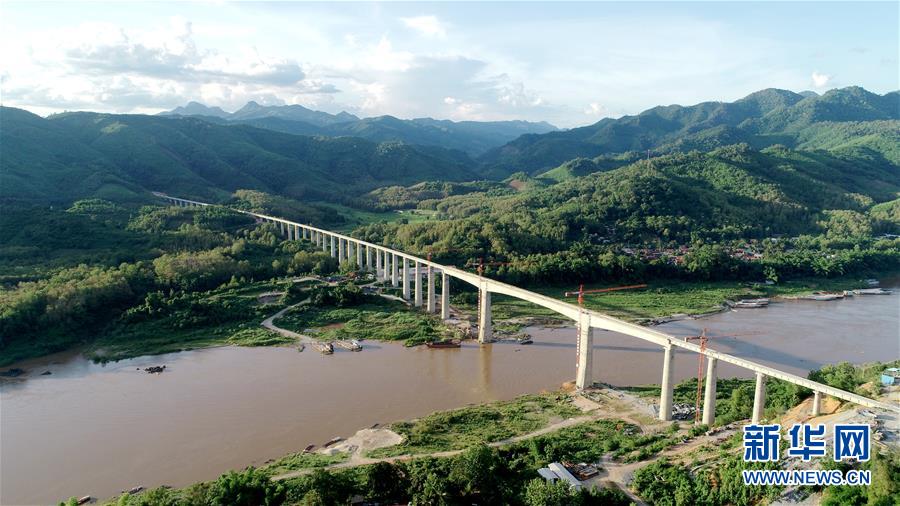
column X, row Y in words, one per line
column 247, row 488
column 475, row 472
column 540, row 492
column 384, row 481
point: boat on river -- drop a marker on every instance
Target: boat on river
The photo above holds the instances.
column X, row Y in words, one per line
column 749, row 303
column 823, row 296
column 445, row 343
column 352, row 344
column 871, row 291
column 332, row 441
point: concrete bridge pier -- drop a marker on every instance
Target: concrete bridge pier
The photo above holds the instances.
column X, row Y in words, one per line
column 759, row 398
column 334, row 247
column 370, row 266
column 342, row 250
column 817, row 404
column 324, row 243
column 584, row 375
column 394, row 270
column 379, row 266
column 359, row 256
column 485, row 329
column 666, row 392
column 431, row 302
column 387, row 265
column 445, row 296
column 405, row 278
column 709, row 396
column 417, row 290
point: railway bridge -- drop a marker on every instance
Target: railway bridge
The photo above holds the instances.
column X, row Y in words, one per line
column 409, row 271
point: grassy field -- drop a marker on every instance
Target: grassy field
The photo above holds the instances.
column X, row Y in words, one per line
column 378, row 319
column 504, row 307
column 659, row 299
column 185, row 330
column 460, row 428
column 358, row 217
column 662, row 299
column 300, row 460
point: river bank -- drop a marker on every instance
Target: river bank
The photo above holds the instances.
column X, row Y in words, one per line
column 98, row 429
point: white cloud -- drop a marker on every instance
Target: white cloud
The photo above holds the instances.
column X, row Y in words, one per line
column 429, row 26
column 383, row 57
column 106, row 67
column 395, row 58
column 596, row 109
column 820, row 80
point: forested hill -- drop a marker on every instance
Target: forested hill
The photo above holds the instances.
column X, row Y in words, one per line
column 473, row 137
column 849, row 116
column 733, row 193
column 120, row 157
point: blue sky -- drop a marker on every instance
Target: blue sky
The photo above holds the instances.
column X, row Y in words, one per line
column 568, row 63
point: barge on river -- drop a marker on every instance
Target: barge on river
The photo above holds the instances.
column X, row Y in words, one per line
column 445, row 343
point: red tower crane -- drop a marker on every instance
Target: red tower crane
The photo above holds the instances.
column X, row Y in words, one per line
column 703, row 338
column 482, row 264
column 581, row 293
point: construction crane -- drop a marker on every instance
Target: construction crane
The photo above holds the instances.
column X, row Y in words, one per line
column 703, row 338
column 480, row 269
column 581, row 293
column 482, row 264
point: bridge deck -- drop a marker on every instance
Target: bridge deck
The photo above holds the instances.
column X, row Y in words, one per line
column 596, row 319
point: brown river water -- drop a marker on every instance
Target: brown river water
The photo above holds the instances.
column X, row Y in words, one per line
column 100, row 429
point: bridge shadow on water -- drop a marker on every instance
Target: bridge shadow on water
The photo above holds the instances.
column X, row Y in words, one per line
column 765, row 353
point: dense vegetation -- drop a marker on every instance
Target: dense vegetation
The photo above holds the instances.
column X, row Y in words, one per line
column 775, row 187
column 480, row 475
column 121, row 157
column 665, row 484
column 804, row 214
column 612, row 219
column 734, row 396
column 344, row 312
column 506, row 474
column 461, row 428
column 848, row 119
column 473, row 137
column 166, row 279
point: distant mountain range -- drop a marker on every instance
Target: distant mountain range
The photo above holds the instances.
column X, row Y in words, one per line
column 473, row 137
column 122, row 157
column 293, row 151
column 762, row 119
